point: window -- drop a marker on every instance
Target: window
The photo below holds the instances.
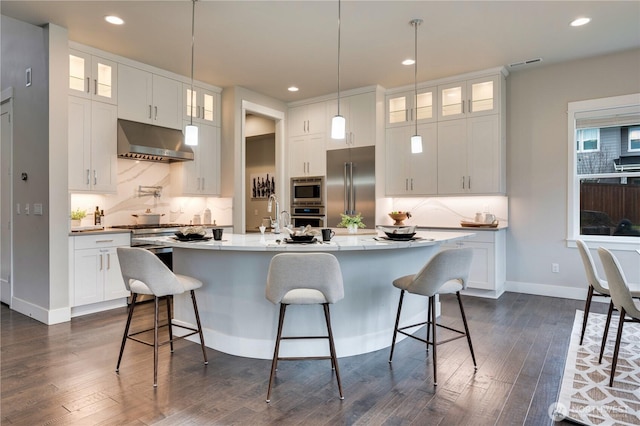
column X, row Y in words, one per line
column 604, row 171
column 588, row 140
column 634, row 138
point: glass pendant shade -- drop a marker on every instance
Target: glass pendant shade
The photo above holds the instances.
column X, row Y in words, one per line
column 416, row 144
column 191, row 135
column 338, row 127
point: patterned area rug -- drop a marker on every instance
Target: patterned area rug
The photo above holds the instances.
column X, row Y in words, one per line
column 585, row 396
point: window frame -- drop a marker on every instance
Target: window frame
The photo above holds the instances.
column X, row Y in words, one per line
column 580, row 141
column 631, row 130
column 573, row 179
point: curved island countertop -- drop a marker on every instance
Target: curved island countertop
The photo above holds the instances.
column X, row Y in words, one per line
column 238, row 320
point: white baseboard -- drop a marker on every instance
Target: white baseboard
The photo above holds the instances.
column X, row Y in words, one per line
column 551, row 291
column 46, row 316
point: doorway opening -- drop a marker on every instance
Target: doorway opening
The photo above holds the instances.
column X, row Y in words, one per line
column 259, row 170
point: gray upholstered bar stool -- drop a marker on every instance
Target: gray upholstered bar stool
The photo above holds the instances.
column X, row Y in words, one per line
column 304, row 279
column 144, row 273
column 622, row 299
column 446, row 272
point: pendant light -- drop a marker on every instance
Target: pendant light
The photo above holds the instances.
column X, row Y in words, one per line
column 191, row 131
column 416, row 139
column 338, row 123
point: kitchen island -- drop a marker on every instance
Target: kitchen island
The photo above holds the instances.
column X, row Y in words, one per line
column 238, row 320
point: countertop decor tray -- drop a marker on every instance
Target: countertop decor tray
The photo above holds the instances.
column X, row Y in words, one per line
column 478, row 224
column 195, row 237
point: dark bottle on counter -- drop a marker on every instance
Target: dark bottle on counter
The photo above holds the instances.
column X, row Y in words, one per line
column 97, row 219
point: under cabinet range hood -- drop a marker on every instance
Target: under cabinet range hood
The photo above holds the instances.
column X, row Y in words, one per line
column 140, row 141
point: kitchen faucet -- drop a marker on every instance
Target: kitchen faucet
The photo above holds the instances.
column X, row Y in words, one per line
column 285, row 222
column 276, row 225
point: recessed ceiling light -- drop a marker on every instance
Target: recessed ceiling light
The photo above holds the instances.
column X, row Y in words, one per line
column 114, row 20
column 408, row 62
column 293, row 89
column 580, row 22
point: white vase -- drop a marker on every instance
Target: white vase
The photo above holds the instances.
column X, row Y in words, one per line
column 76, row 222
column 352, row 228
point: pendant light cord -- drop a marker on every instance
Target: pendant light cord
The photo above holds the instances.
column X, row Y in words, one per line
column 193, row 39
column 415, row 23
column 339, row 16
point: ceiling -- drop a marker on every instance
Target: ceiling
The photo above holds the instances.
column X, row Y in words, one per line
column 267, row 46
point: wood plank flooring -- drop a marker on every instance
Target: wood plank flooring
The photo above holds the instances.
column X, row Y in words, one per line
column 64, row 375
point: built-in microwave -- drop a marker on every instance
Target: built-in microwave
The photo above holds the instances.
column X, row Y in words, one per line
column 307, row 191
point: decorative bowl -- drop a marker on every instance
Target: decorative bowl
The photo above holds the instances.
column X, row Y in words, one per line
column 398, row 218
column 402, row 237
column 302, row 238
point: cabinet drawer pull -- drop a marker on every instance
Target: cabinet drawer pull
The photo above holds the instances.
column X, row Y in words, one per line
column 103, row 241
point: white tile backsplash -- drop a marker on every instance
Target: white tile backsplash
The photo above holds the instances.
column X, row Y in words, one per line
column 449, row 211
column 118, row 208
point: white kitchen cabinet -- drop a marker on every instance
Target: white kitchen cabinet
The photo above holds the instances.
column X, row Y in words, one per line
column 206, row 104
column 359, row 112
column 471, row 158
column 405, row 108
column 92, row 146
column 149, row 98
column 407, row 173
column 202, row 175
column 307, row 155
column 307, row 119
column 488, row 269
column 96, row 275
column 93, row 77
column 469, row 98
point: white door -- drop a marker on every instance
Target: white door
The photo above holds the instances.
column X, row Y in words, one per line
column 6, row 144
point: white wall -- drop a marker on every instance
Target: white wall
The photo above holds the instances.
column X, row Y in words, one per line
column 24, row 46
column 537, row 167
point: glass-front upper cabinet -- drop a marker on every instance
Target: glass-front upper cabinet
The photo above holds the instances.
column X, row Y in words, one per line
column 405, row 107
column 475, row 97
column 92, row 77
column 204, row 104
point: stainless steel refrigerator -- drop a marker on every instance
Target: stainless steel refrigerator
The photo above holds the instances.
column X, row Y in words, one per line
column 351, row 184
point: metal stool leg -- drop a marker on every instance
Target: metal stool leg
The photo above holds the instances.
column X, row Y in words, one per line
column 466, row 330
column 274, row 362
column 195, row 310
column 332, row 348
column 432, row 306
column 606, row 332
column 395, row 329
column 428, row 323
column 616, row 350
column 587, row 307
column 155, row 343
column 125, row 336
column 169, row 319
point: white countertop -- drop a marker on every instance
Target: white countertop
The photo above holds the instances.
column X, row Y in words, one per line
column 276, row 242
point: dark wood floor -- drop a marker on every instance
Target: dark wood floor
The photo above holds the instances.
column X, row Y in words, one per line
column 64, row 374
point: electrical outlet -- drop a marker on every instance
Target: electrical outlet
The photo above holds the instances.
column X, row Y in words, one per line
column 555, row 268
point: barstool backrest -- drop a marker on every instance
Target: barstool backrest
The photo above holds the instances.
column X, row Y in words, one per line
column 317, row 271
column 620, row 294
column 447, row 265
column 593, row 279
column 142, row 265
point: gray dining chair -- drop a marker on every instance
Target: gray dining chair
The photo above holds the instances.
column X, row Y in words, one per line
column 304, row 279
column 596, row 284
column 445, row 273
column 621, row 298
column 144, row 273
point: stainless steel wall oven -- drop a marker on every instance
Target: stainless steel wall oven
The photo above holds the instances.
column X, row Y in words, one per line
column 307, row 202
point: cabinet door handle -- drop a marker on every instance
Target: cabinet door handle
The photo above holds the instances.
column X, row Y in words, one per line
column 203, row 184
column 149, row 112
column 412, row 184
column 101, row 262
column 463, row 107
column 462, row 182
column 88, row 85
column 469, row 182
column 95, row 86
column 406, row 184
column 88, row 176
column 108, row 260
column 95, row 177
column 156, row 112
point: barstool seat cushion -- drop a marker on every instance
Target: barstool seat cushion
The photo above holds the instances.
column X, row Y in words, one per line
column 449, row 287
column 303, row 296
column 189, row 283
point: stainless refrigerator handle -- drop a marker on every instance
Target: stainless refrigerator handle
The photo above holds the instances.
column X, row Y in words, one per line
column 346, row 190
column 352, row 191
